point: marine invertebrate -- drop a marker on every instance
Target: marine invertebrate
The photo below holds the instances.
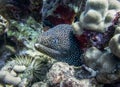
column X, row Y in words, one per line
column 114, row 45
column 59, row 42
column 98, row 15
column 33, row 66
column 92, row 17
column 91, row 38
column 9, row 79
column 96, row 31
column 105, row 64
column 91, row 54
column 25, row 67
column 97, row 23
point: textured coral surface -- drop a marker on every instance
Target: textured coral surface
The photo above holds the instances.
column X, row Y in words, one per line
column 59, row 43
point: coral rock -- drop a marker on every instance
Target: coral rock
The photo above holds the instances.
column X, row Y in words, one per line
column 40, row 84
column 62, row 75
column 91, row 55
column 72, row 82
column 117, row 30
column 19, row 68
column 114, row 45
column 3, row 74
column 60, row 71
column 9, row 79
column 98, row 15
column 13, row 73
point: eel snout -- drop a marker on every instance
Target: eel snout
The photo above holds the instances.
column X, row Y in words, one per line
column 47, row 50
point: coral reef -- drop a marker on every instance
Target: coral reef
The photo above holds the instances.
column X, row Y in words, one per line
column 60, row 71
column 114, row 45
column 59, row 10
column 23, row 70
column 98, row 15
column 98, row 35
column 97, row 24
column 102, row 66
column 59, row 43
column 62, row 75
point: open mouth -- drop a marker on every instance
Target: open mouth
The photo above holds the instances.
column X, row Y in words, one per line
column 47, row 50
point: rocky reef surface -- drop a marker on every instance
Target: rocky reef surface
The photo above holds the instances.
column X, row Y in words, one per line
column 59, row 43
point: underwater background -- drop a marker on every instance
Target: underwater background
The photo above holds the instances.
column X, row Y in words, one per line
column 59, row 43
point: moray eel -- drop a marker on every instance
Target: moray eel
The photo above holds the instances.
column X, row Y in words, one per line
column 59, row 42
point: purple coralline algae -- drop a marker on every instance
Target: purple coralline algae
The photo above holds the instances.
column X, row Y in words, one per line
column 98, row 23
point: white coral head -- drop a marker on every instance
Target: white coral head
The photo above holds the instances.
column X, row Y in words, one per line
column 114, row 45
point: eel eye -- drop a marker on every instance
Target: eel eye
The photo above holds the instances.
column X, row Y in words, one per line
column 55, row 41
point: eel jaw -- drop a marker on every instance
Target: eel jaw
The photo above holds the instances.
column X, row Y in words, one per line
column 46, row 50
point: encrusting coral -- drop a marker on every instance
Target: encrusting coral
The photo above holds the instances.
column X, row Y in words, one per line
column 98, row 31
column 62, row 75
column 114, row 45
column 97, row 23
column 23, row 70
column 98, row 15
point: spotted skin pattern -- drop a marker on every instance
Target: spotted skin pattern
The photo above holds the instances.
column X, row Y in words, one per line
column 59, row 42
